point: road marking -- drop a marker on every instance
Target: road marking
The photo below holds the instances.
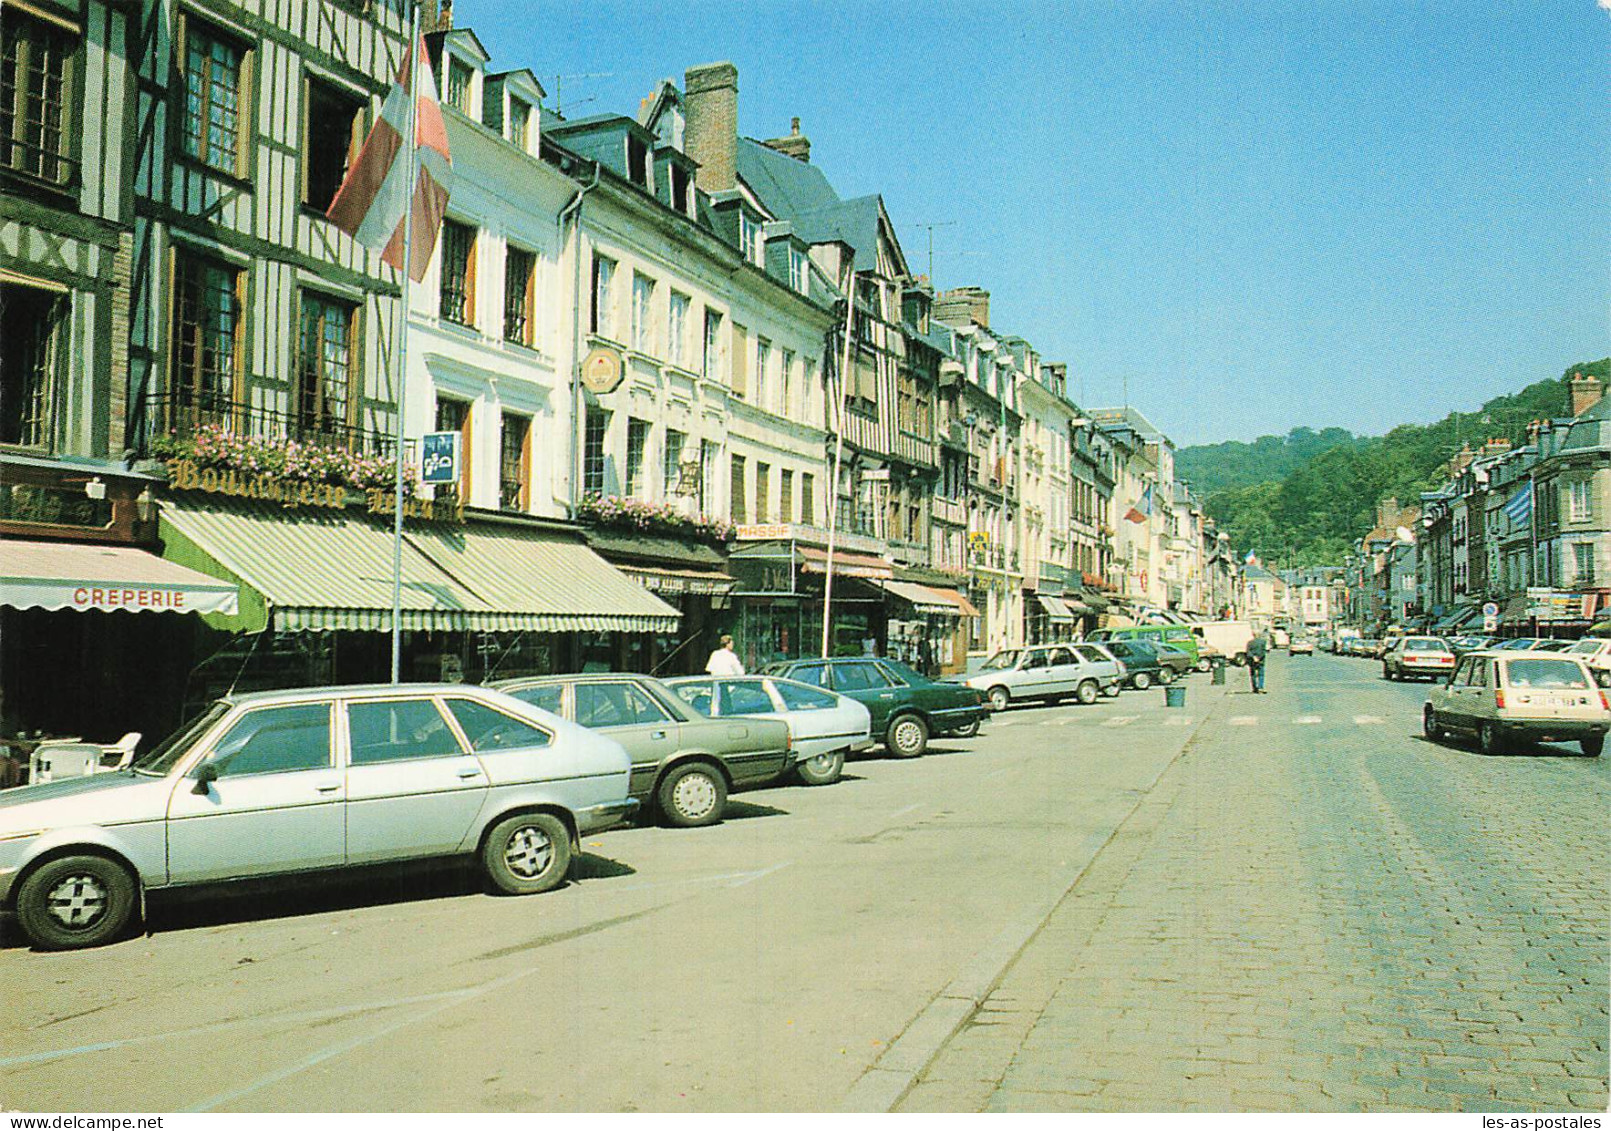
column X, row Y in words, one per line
column 1242, row 721
column 1121, row 720
column 1178, row 721
column 753, row 876
column 905, row 811
column 1367, row 720
column 1307, row 720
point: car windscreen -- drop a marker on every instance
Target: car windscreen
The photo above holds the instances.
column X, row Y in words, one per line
column 162, row 757
column 1424, row 644
column 1586, row 647
column 1542, row 673
column 1001, row 661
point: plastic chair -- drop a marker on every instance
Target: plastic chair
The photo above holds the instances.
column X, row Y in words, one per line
column 54, row 761
column 118, row 755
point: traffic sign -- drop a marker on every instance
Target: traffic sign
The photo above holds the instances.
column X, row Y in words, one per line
column 439, row 457
column 1489, row 609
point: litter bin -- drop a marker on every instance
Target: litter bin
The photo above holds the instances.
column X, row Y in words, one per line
column 1175, row 695
column 1219, row 671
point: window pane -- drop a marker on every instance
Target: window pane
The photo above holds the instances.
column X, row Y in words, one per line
column 457, row 242
column 396, row 729
column 34, row 62
column 324, row 364
column 696, row 695
column 207, row 322
column 614, row 704
column 550, row 697
column 797, row 698
column 746, row 697
column 211, row 117
column 811, row 673
column 276, row 740
column 488, row 729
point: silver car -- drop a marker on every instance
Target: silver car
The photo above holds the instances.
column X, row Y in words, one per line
column 1048, row 671
column 305, row 780
column 824, row 727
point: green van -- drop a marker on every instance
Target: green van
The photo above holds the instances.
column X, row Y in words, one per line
column 1175, row 635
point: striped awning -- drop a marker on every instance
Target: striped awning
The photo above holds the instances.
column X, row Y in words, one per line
column 332, row 570
column 1054, row 608
column 921, row 598
column 110, row 579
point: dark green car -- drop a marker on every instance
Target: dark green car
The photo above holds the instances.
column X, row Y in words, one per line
column 906, row 707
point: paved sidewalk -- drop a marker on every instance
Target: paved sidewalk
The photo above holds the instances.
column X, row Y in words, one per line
column 1337, row 918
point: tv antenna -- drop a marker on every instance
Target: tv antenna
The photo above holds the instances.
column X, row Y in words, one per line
column 559, row 89
column 929, row 228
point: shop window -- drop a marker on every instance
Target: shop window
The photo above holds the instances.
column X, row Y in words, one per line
column 637, row 445
column 324, row 364
column 213, row 118
column 514, row 490
column 35, row 84
column 206, row 340
column 332, row 132
column 458, row 273
column 740, row 514
column 519, row 297
column 29, row 352
column 598, row 425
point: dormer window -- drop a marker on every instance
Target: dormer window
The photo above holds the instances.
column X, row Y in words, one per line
column 458, row 84
column 519, row 123
column 679, row 188
column 749, row 238
column 799, row 277
column 637, row 162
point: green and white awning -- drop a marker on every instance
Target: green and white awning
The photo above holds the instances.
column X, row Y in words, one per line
column 332, row 571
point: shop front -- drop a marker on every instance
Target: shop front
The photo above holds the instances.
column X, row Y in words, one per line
column 782, row 590
column 689, row 575
column 927, row 626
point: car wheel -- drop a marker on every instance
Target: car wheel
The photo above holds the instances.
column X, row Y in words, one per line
column 1490, row 739
column 1141, row 681
column 692, row 795
column 1203, row 665
column 1429, row 724
column 823, row 769
column 527, row 853
column 1592, row 745
column 999, row 698
column 1086, row 692
column 969, row 731
column 1166, row 675
column 908, row 736
column 75, row 901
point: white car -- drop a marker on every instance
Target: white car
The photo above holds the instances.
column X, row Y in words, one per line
column 1594, row 651
column 1503, row 695
column 1048, row 671
column 307, row 780
column 1407, row 656
column 823, row 726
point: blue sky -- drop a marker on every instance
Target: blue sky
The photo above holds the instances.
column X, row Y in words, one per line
column 1262, row 214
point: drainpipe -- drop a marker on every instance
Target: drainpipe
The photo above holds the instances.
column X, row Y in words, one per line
column 572, row 212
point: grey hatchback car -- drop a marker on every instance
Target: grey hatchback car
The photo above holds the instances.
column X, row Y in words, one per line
column 300, row 781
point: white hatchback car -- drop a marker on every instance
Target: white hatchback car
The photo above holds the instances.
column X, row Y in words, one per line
column 1506, row 695
column 823, row 726
column 1419, row 656
column 306, row 780
column 1048, row 671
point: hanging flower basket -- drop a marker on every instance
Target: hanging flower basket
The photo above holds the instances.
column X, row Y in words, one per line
column 615, row 513
column 214, row 446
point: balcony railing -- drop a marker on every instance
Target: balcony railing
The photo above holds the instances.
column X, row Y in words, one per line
column 181, row 414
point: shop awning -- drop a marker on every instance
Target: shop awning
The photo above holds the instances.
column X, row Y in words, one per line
column 1054, row 608
column 967, row 607
column 88, row 578
column 1457, row 618
column 326, row 571
column 921, row 598
column 695, row 581
column 814, row 560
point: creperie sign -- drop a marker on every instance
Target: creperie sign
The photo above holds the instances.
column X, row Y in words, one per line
column 110, row 599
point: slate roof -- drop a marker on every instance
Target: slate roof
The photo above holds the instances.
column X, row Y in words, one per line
column 1590, row 431
column 854, row 222
column 787, row 187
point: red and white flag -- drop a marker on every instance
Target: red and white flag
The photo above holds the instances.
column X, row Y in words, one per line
column 374, row 199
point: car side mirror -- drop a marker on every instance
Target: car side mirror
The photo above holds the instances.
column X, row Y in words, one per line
column 206, row 774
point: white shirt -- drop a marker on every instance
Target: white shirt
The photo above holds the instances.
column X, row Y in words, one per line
column 724, row 662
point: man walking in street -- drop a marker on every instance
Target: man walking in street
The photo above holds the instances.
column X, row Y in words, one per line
column 1258, row 649
column 724, row 661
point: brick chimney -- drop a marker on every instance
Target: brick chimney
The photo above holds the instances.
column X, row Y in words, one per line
column 1497, row 446
column 710, row 102
column 962, row 306
column 1586, row 392
column 1387, row 511
column 796, row 145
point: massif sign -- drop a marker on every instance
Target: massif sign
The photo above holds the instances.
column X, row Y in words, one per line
column 186, row 475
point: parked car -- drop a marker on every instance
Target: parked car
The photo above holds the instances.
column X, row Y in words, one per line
column 906, row 707
column 1142, row 668
column 1301, row 646
column 1280, row 638
column 683, row 764
column 1499, row 696
column 1176, row 660
column 1047, row 671
column 823, row 726
column 1231, row 637
column 305, row 780
column 1417, row 656
column 1460, row 645
column 1596, row 652
column 1519, row 644
column 1559, row 644
column 1182, row 636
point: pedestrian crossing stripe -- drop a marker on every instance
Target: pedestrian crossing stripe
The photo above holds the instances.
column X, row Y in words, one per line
column 1121, row 720
column 1242, row 721
column 1367, row 720
column 1307, row 720
column 1177, row 721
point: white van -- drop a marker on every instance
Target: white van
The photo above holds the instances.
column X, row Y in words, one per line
column 1229, row 637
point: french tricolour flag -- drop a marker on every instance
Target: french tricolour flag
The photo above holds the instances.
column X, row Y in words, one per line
column 373, row 199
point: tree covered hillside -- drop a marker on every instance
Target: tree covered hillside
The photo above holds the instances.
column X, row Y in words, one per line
column 1311, row 514
column 1211, row 468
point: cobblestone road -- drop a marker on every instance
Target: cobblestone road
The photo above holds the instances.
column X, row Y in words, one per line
column 1317, row 910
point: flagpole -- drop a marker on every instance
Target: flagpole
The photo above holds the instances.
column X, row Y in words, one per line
column 402, row 342
column 838, row 454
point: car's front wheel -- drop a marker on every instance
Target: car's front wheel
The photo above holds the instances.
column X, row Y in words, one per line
column 1166, row 675
column 527, row 853
column 1141, row 681
column 907, row 737
column 1087, row 692
column 1490, row 739
column 1592, row 745
column 75, row 901
column 692, row 795
column 1429, row 724
column 823, row 769
column 999, row 698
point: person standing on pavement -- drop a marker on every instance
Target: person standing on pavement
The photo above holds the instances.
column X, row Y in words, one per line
column 1258, row 649
column 724, row 661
